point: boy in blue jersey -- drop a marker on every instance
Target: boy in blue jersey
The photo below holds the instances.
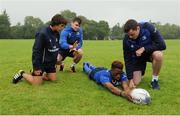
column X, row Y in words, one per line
column 44, row 54
column 109, row 78
column 142, row 43
column 71, row 40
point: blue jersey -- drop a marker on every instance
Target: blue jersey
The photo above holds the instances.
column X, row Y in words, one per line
column 149, row 38
column 104, row 76
column 68, row 37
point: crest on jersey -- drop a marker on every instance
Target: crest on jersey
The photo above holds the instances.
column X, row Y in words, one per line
column 132, row 46
column 77, row 33
column 144, row 38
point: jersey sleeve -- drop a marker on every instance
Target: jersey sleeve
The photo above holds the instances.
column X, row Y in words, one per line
column 158, row 42
column 63, row 40
column 37, row 55
column 124, row 77
column 127, row 59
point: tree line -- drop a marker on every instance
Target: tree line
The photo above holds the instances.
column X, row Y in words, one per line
column 92, row 30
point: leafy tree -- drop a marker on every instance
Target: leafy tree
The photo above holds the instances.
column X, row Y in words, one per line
column 4, row 26
column 92, row 30
column 31, row 25
column 168, row 31
column 17, row 31
column 116, row 32
column 67, row 14
column 102, row 30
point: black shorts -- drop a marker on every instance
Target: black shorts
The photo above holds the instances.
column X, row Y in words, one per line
column 140, row 63
column 48, row 68
column 65, row 53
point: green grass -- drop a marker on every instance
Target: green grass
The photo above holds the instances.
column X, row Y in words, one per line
column 75, row 93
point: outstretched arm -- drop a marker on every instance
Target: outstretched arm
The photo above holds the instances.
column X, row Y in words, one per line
column 113, row 89
column 116, row 90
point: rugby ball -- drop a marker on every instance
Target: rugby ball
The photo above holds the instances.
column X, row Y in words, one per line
column 140, row 96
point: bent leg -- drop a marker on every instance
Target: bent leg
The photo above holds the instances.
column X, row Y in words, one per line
column 34, row 80
column 77, row 55
column 59, row 62
column 86, row 68
column 157, row 59
column 137, row 76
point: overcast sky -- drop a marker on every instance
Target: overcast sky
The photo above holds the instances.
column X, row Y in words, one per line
column 113, row 11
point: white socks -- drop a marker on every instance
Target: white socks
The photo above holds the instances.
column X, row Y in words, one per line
column 73, row 64
column 154, row 78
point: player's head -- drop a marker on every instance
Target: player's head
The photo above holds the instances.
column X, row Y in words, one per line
column 76, row 23
column 132, row 28
column 116, row 69
column 58, row 22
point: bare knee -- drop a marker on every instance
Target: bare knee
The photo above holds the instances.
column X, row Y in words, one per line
column 157, row 55
column 78, row 55
column 80, row 51
column 59, row 59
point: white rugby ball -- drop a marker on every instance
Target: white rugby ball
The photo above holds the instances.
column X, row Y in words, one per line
column 140, row 96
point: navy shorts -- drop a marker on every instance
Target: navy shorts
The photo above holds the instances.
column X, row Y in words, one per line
column 66, row 53
column 48, row 68
column 140, row 64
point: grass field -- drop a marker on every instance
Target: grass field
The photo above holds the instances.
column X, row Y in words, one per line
column 75, row 93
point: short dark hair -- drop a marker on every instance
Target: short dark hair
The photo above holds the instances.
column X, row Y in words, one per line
column 130, row 24
column 58, row 19
column 117, row 64
column 77, row 19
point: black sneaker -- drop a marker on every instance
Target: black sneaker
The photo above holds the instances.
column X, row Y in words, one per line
column 155, row 85
column 73, row 69
column 18, row 76
column 61, row 67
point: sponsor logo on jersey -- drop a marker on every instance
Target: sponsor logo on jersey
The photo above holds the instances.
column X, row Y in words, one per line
column 53, row 50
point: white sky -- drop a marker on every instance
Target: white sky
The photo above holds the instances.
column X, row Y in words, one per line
column 113, row 11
